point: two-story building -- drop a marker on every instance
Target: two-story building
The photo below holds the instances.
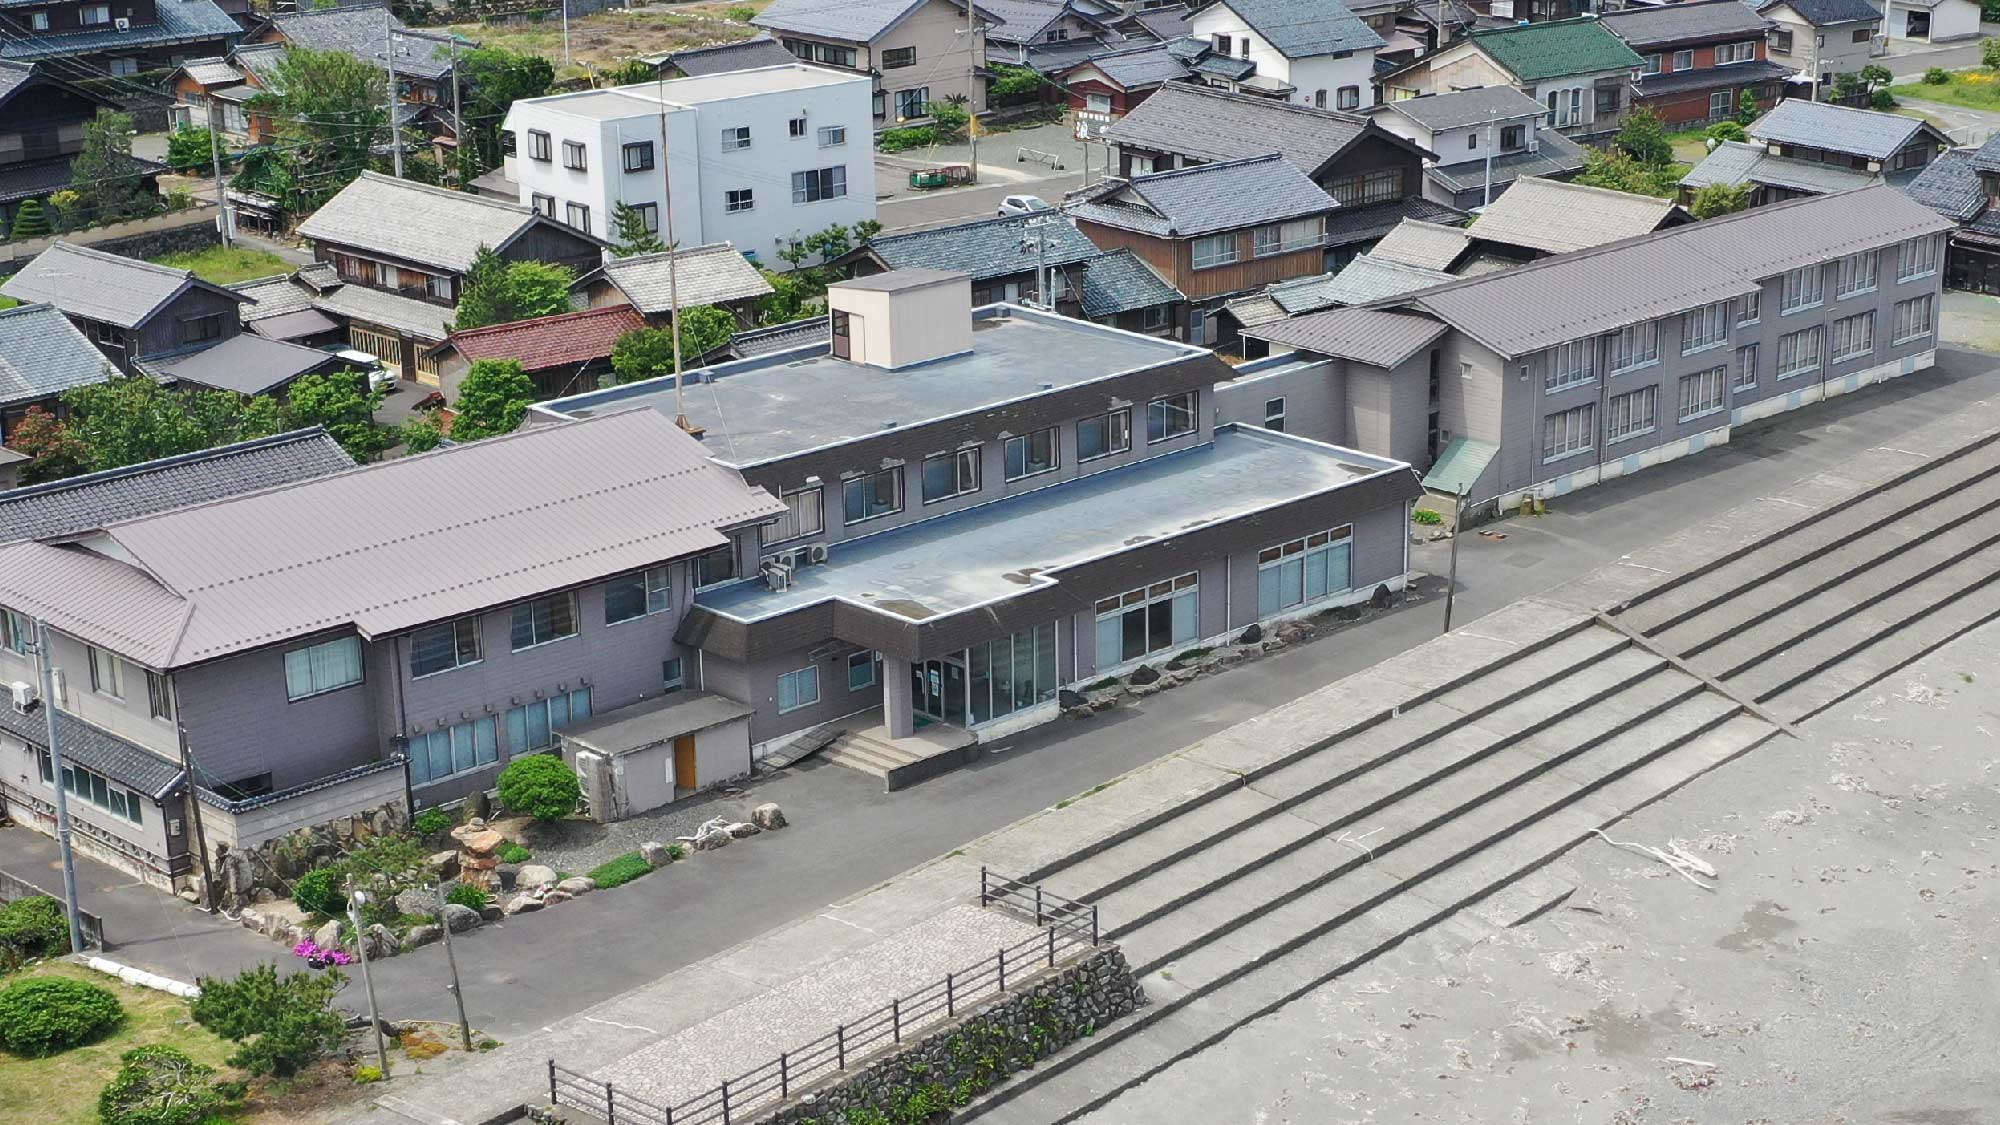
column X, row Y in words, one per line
column 1822, row 39
column 1048, row 35
column 690, row 277
column 1213, row 231
column 1311, row 52
column 423, row 60
column 758, row 158
column 914, row 52
column 1116, row 82
column 1578, row 72
column 1485, row 139
column 41, row 131
column 1930, row 21
column 1542, row 379
column 1811, row 148
column 115, row 37
column 1701, row 62
column 1963, row 185
column 984, row 507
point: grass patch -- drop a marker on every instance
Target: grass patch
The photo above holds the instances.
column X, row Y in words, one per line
column 1188, row 656
column 621, row 870
column 1106, row 682
column 605, row 39
column 227, row 265
column 62, row 1089
column 1973, row 89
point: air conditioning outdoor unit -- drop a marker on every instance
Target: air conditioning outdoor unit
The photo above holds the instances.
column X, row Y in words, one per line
column 24, row 696
column 122, row 24
column 777, row 574
column 816, row 554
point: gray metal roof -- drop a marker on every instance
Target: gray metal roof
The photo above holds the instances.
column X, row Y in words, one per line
column 1121, row 282
column 361, row 31
column 1467, row 107
column 65, row 507
column 655, row 722
column 1838, row 128
column 704, row 275
column 1429, row 246
column 1555, row 217
column 180, row 21
column 42, row 355
column 899, row 281
column 1301, row 29
column 1737, row 162
column 432, row 226
column 1554, row 155
column 98, row 286
column 1711, row 77
column 760, row 51
column 1369, row 278
column 1574, row 296
column 986, row 248
column 420, row 319
column 292, row 325
column 1212, row 124
column 789, row 336
column 1371, row 336
column 276, row 295
column 1950, row 186
column 853, row 20
column 94, row 748
column 1821, row 13
column 542, row 509
column 1698, row 22
column 1226, row 195
column 246, row 363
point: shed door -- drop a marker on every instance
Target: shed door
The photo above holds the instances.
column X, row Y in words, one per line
column 684, row 779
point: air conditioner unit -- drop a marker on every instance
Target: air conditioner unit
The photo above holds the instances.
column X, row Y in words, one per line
column 122, row 24
column 777, row 575
column 24, row 696
column 816, row 554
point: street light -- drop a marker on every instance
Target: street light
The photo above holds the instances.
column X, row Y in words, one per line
column 355, row 901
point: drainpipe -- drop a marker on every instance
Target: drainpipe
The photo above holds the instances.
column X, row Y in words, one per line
column 402, row 739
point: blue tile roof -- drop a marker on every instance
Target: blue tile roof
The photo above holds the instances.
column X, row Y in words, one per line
column 1119, row 282
column 181, row 21
column 1950, row 186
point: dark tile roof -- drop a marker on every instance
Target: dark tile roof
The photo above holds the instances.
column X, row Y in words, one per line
column 1711, row 77
column 985, row 248
column 1301, row 29
column 1950, row 186
column 1837, row 128
column 1986, row 158
column 1143, row 67
column 92, row 284
column 1560, row 47
column 246, row 363
column 1120, row 282
column 1212, row 124
column 1820, row 13
column 181, row 21
column 38, row 178
column 856, row 21
column 1164, row 23
column 64, row 507
column 1222, row 196
column 359, row 31
column 1363, row 224
column 1700, row 21
column 779, row 337
column 42, row 355
column 761, row 51
column 96, row 749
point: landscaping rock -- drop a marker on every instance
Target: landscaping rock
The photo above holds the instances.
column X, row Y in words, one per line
column 255, row 920
column 709, row 841
column 263, row 895
column 1251, row 635
column 577, row 885
column 1103, row 702
column 444, row 865
column 1068, row 699
column 536, row 875
column 506, row 877
column 491, row 912
column 422, row 935
column 522, row 904
column 189, row 894
column 1144, row 674
column 479, row 806
column 378, row 941
column 416, row 900
column 328, row 936
column 656, row 853
column 768, row 816
column 462, row 918
column 743, row 828
column 1381, row 599
column 554, row 898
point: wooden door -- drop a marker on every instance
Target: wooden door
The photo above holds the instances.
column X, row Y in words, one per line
column 684, row 779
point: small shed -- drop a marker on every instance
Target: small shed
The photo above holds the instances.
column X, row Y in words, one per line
column 658, row 751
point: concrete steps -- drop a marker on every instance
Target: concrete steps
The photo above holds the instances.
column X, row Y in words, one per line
column 857, row 751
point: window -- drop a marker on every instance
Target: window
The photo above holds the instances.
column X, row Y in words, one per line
column 875, row 495
column 544, row 205
column 1148, row 619
column 442, row 647
column 439, row 286
column 462, row 748
column 1379, row 186
column 1606, row 101
column 1630, row 414
column 796, row 127
column 17, row 632
column 1746, row 368
column 1569, row 432
column 94, row 787
column 829, row 53
column 1781, row 42
column 670, row 674
column 1570, row 365
column 1747, row 308
column 573, row 155
column 1565, row 107
column 38, row 21
column 736, row 138
column 1513, row 137
column 1214, row 250
column 1284, row 238
column 1056, row 35
column 1154, row 316
column 1303, row 570
column 1098, row 103
column 533, row 726
column 896, row 58
column 738, row 199
column 639, row 156
column 577, row 215
column 636, row 595
column 819, row 183
column 1103, row 435
column 1721, row 105
column 1703, row 392
column 1472, row 142
column 1854, row 274
column 197, row 328
column 1012, row 673
column 1274, row 414
column 832, row 136
column 94, row 15
column 913, row 103
column 803, row 516
column 107, row 672
column 1635, row 345
column 1705, row 327
column 1222, row 45
column 317, row 669
column 798, row 689
column 1915, row 156
column 715, row 566
column 1913, row 319
column 799, row 47
column 1348, row 97
column 1798, row 352
column 1170, row 417
column 1804, row 289
column 1853, row 336
column 860, row 670
column 1652, row 64
column 1861, row 35
column 1029, row 454
column 877, row 103
column 649, row 216
column 545, row 619
column 951, row 474
column 1726, row 53
column 1319, row 99
column 1916, row 257
column 1683, row 60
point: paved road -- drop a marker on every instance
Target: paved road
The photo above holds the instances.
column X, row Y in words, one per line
column 959, row 204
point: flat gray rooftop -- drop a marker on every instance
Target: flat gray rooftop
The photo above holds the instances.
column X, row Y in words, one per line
column 987, row 553
column 773, row 406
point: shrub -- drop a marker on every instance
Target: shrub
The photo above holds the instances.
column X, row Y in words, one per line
column 1427, row 517
column 432, row 823
column 949, row 120
column 161, row 1086
column 540, row 785
column 190, row 150
column 676, row 851
column 470, row 896
column 281, row 1023
column 31, row 219
column 49, row 1014
column 1882, row 99
column 32, row 927
column 902, row 140
column 1727, row 131
column 421, row 435
column 619, row 871
column 515, row 853
column 366, row 1074
column 1937, row 76
column 319, row 891
column 742, row 15
column 1989, row 54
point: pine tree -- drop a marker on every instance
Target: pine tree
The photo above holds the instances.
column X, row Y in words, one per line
column 31, row 220
column 633, row 237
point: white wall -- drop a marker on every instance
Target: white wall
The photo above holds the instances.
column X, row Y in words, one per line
column 1319, row 73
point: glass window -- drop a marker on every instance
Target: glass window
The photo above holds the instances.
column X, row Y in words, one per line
column 798, row 689
column 1916, row 257
column 159, row 697
column 649, row 216
column 1703, row 392
column 1214, row 250
column 860, row 670
column 739, row 199
column 637, row 595
column 1705, row 327
column 107, row 673
column 1303, row 570
column 1630, row 414
column 573, row 155
column 538, row 145
column 1382, row 185
column 94, row 787
column 737, row 137
column 1284, row 238
column 832, row 136
column 715, row 566
column 1569, row 432
column 895, row 58
column 796, row 127
column 1571, row 365
column 670, row 674
column 1148, row 619
column 877, row 494
column 545, row 619
column 914, row 103
column 1652, row 64
column 1746, row 368
column 462, row 748
column 639, row 156
column 1746, row 308
column 1855, row 274
column 544, row 205
column 951, row 474
column 1804, row 288
column 1170, row 417
column 803, row 516
column 1913, row 319
column 577, row 215
column 444, row 646
column 324, row 667
column 17, row 632
column 1348, row 97
column 1853, row 336
column 1103, row 435
column 1029, row 454
column 1635, row 345
column 195, row 329
column 1799, row 352
column 1683, row 60
column 533, row 726
column 1274, row 414
column 819, row 183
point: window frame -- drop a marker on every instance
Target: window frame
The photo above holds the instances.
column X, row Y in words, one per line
column 816, row 185
column 730, row 200
column 1154, row 597
column 1579, row 436
column 643, row 150
column 1631, row 403
column 1901, row 324
column 1299, row 553
column 514, row 621
column 1856, row 274
column 571, row 210
column 1705, row 328
column 870, row 662
column 872, row 480
column 917, row 98
column 1120, row 420
column 1276, row 416
column 1703, row 393
column 896, row 58
column 107, row 672
column 1170, row 407
column 656, row 593
column 463, row 629
column 541, row 146
column 1025, row 442
column 960, row 460
column 1802, row 296
column 536, row 201
column 316, row 690
column 795, row 515
column 1744, row 377
column 799, row 703
column 831, row 136
column 1222, row 249
column 479, row 758
column 575, row 157
column 1564, row 371
column 1916, row 257
column 735, row 138
column 1794, row 342
column 1637, row 356
column 1859, row 333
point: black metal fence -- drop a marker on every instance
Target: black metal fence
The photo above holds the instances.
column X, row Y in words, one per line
column 1065, row 925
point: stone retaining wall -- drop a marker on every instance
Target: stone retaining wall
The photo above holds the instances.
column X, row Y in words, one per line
column 950, row 1066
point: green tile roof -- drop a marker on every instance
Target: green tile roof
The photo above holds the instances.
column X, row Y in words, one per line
column 1551, row 50
column 1456, row 471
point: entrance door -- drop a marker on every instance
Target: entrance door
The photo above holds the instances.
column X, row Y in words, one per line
column 684, row 779
column 937, row 689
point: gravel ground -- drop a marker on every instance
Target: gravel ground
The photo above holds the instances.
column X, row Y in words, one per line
column 576, row 846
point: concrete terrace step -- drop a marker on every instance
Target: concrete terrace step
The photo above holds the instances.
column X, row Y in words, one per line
column 863, row 756
column 1880, row 655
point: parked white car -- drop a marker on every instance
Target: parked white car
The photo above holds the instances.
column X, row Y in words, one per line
column 1023, row 205
column 380, row 378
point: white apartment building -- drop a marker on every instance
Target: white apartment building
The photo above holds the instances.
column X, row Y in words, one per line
column 757, row 157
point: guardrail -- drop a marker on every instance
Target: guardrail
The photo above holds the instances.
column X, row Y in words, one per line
column 1065, row 924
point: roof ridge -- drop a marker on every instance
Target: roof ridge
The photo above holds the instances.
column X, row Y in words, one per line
column 573, row 314
column 1156, row 177
column 1630, row 198
column 120, row 259
column 1286, row 107
column 448, row 193
column 28, row 307
column 661, row 255
column 215, row 454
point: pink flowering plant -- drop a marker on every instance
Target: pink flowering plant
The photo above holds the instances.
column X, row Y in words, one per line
column 321, row 958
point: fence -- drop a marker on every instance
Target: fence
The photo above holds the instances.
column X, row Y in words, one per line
column 1065, row 925
column 14, row 887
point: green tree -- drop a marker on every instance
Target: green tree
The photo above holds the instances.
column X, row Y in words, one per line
column 643, row 353
column 1727, row 131
column 330, row 115
column 493, row 80
column 1620, row 172
column 1711, row 200
column 31, row 220
column 160, row 1085
column 133, row 418
column 281, row 1024
column 633, row 237
column 53, row 451
column 268, row 170
column 496, row 291
column 190, row 150
column 541, row 785
column 107, row 181
column 341, row 402
column 420, row 435
column 703, row 329
column 1746, row 108
column 1989, row 53
column 1644, row 138
column 492, row 400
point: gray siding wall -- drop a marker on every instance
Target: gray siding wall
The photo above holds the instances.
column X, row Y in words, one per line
column 1316, row 400
column 163, row 333
column 239, row 723
column 129, row 717
column 756, row 683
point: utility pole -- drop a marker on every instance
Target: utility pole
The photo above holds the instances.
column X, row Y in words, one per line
column 972, row 80
column 355, row 899
column 193, row 799
column 457, row 121
column 221, row 188
column 565, row 21
column 673, row 255
column 1457, row 529
column 1490, row 115
column 395, row 100
column 44, row 658
column 451, row 960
